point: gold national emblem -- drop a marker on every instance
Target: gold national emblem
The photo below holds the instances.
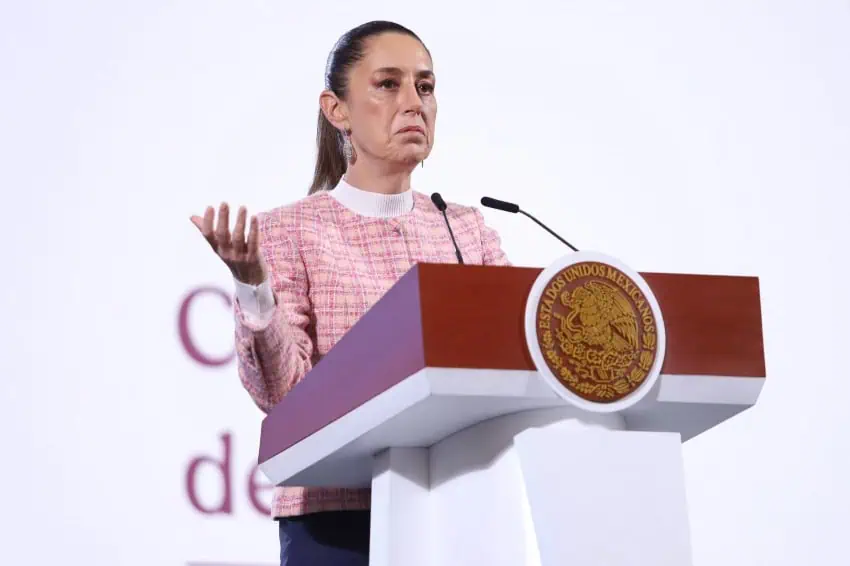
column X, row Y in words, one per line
column 597, row 331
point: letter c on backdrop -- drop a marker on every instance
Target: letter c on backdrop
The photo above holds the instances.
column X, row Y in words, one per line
column 185, row 335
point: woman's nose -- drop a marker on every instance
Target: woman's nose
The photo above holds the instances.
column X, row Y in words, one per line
column 411, row 101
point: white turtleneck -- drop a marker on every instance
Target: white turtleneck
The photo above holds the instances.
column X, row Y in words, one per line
column 257, row 301
column 368, row 203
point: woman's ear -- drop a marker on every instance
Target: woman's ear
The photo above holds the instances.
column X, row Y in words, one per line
column 334, row 109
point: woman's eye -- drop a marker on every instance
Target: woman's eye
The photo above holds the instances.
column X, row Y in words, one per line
column 426, row 88
column 388, row 83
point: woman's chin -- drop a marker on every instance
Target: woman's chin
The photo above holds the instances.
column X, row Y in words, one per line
column 412, row 156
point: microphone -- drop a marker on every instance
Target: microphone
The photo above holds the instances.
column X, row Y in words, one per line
column 513, row 208
column 442, row 206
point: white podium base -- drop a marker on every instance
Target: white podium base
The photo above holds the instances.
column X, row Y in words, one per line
column 537, row 488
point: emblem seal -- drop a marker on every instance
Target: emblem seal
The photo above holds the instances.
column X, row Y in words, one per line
column 595, row 332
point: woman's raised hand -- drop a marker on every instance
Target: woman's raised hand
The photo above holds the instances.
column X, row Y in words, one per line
column 241, row 256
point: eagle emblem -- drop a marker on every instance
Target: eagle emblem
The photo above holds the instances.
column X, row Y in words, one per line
column 599, row 315
column 597, row 335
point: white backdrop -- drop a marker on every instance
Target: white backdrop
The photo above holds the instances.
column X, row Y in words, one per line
column 679, row 136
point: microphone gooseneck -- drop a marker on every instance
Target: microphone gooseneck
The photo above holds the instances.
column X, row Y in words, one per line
column 499, row 204
column 513, row 208
column 441, row 205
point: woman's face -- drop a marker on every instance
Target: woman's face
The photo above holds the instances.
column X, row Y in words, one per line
column 390, row 104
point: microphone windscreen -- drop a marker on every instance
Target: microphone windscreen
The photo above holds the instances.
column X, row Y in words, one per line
column 499, row 204
column 439, row 202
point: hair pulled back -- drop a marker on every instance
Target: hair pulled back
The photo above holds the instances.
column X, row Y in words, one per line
column 349, row 49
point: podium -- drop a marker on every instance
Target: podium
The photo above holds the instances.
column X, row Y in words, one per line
column 435, row 401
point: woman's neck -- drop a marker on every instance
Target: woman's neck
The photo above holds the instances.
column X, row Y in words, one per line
column 378, row 179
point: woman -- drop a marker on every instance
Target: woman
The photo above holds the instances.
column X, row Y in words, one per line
column 309, row 270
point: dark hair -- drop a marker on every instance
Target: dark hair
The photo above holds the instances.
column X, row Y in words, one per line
column 351, row 47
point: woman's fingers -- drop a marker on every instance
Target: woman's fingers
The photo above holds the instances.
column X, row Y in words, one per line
column 253, row 238
column 222, row 229
column 205, row 224
column 235, row 249
column 209, row 218
column 238, row 238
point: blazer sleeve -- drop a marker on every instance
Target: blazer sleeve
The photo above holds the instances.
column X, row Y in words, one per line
column 490, row 242
column 274, row 353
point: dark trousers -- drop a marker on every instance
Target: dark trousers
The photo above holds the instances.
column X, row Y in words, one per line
column 331, row 538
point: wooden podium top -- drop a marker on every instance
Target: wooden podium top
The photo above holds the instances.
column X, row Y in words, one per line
column 472, row 317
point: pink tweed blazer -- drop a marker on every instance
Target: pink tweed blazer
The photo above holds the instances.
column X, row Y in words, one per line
column 327, row 266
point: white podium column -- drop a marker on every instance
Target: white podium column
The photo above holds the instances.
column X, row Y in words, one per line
column 400, row 517
column 606, row 498
column 543, row 487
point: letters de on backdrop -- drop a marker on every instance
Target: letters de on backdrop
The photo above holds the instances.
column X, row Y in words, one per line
column 232, row 482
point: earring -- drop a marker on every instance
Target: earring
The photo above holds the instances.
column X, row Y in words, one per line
column 348, row 149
